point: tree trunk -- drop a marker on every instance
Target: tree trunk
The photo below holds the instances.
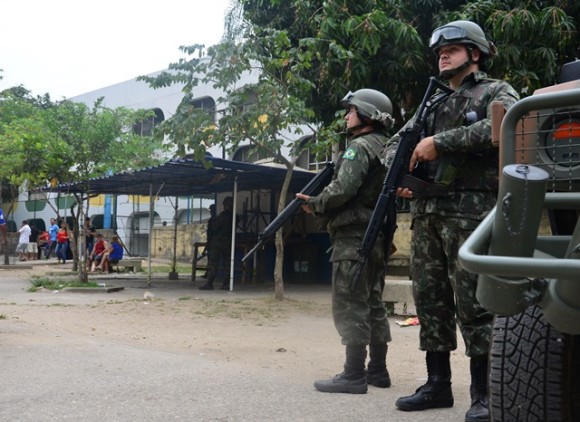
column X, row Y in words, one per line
column 279, row 239
column 5, row 244
column 79, row 260
column 75, row 234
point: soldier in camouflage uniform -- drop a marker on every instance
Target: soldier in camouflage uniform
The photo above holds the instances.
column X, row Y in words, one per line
column 346, row 204
column 219, row 246
column 457, row 157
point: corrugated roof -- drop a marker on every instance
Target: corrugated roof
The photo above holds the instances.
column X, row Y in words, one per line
column 182, row 177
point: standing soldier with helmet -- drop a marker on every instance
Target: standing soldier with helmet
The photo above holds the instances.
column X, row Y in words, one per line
column 219, row 246
column 457, row 157
column 347, row 204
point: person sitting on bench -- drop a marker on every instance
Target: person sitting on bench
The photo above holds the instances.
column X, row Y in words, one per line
column 99, row 249
column 112, row 256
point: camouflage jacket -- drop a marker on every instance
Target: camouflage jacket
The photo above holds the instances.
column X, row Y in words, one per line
column 221, row 230
column 461, row 129
column 349, row 199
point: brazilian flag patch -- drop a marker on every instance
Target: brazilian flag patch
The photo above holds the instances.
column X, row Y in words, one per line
column 349, row 154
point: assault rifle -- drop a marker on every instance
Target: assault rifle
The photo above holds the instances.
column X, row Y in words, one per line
column 399, row 169
column 314, row 187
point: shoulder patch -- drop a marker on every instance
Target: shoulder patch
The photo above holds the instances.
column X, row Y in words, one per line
column 349, row 154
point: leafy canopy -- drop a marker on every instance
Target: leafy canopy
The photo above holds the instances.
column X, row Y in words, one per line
column 42, row 142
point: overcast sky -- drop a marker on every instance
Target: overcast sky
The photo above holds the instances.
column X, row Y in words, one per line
column 69, row 47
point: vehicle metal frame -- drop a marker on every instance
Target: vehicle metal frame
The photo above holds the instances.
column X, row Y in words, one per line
column 550, row 276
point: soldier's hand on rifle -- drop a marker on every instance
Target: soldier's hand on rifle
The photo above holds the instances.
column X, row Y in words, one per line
column 424, row 151
column 404, row 193
column 305, row 207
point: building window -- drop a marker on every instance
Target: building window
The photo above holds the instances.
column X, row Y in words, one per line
column 248, row 154
column 207, row 104
column 242, row 100
column 145, row 127
column 307, row 159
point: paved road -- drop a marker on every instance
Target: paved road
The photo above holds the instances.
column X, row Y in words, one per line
column 75, row 378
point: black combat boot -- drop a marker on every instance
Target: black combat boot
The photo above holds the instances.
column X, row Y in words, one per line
column 353, row 380
column 479, row 410
column 208, row 284
column 377, row 373
column 211, row 275
column 437, row 391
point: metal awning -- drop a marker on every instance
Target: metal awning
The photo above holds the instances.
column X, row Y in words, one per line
column 182, row 177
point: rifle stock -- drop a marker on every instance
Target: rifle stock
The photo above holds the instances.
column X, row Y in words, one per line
column 312, row 188
column 386, row 202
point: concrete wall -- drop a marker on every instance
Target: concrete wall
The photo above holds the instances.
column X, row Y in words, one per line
column 187, row 235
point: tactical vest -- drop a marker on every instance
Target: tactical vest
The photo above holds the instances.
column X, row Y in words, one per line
column 358, row 210
column 463, row 170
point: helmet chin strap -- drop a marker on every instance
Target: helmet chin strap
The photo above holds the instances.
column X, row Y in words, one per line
column 449, row 74
column 349, row 130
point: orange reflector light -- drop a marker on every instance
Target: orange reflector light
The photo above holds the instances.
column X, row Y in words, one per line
column 567, row 130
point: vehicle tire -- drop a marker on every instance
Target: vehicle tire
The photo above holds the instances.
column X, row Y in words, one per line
column 534, row 370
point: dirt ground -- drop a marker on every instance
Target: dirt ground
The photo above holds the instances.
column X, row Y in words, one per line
column 222, row 338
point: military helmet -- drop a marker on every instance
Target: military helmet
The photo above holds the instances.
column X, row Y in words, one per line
column 461, row 32
column 228, row 202
column 370, row 104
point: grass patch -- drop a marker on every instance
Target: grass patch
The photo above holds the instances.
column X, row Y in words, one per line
column 2, row 316
column 39, row 282
column 166, row 269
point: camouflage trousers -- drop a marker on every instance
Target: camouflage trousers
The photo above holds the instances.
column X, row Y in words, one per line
column 360, row 316
column 219, row 252
column 444, row 292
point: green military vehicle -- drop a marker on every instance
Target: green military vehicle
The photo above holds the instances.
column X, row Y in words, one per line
column 527, row 252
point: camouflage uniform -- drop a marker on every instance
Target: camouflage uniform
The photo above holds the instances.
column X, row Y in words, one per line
column 443, row 291
column 347, row 204
column 219, row 245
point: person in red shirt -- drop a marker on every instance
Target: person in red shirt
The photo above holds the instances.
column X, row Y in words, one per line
column 62, row 238
column 43, row 241
column 99, row 248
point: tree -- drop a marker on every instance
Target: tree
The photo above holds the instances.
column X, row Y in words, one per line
column 20, row 131
column 534, row 38
column 305, row 55
column 268, row 113
column 43, row 143
column 382, row 44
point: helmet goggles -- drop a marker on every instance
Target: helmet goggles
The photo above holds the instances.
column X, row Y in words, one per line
column 449, row 33
column 345, row 102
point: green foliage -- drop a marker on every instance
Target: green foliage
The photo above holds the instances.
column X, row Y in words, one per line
column 42, row 141
column 534, row 38
column 382, row 44
column 267, row 113
column 351, row 45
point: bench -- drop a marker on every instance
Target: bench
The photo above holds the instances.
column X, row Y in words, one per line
column 197, row 263
column 133, row 264
column 198, row 249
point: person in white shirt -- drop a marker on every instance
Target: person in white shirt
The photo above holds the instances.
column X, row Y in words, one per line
column 23, row 240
